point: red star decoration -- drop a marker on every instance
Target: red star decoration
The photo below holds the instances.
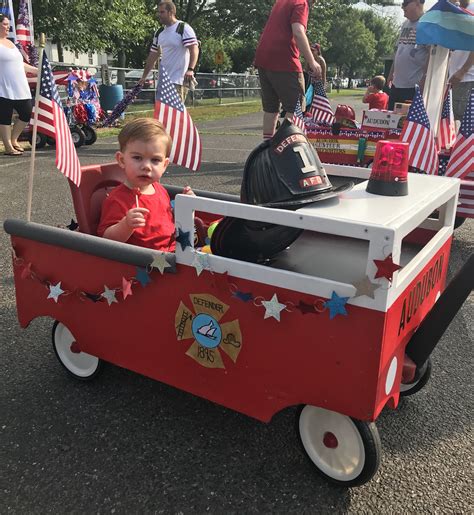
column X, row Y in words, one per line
column 26, row 272
column 306, row 308
column 126, row 288
column 386, row 267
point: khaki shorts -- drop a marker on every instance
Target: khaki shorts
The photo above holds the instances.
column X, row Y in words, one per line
column 182, row 92
column 280, row 87
column 461, row 94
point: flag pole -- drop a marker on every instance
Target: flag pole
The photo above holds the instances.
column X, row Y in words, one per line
column 42, row 44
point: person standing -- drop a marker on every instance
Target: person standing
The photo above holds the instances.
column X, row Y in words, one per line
column 278, row 60
column 461, row 73
column 177, row 45
column 411, row 60
column 14, row 91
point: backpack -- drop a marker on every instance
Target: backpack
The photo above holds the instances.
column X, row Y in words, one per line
column 180, row 31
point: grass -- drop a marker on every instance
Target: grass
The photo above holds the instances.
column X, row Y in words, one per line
column 208, row 110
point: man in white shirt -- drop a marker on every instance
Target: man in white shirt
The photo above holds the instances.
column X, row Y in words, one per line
column 177, row 45
column 461, row 73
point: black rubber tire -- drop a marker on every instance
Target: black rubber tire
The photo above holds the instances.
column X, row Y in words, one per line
column 372, row 452
column 458, row 221
column 90, row 135
column 407, row 389
column 89, row 377
column 50, row 141
column 40, row 139
column 78, row 136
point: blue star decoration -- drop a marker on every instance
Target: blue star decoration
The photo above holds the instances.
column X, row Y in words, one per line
column 244, row 297
column 55, row 291
column 183, row 238
column 142, row 276
column 336, row 305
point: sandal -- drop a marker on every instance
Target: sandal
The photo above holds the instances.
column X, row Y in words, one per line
column 13, row 153
column 18, row 148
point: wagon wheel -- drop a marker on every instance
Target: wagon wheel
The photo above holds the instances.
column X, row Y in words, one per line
column 80, row 365
column 423, row 374
column 344, row 450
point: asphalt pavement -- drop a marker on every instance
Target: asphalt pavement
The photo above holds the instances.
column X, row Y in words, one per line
column 127, row 444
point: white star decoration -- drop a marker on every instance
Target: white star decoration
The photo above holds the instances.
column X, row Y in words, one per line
column 273, row 308
column 55, row 291
column 109, row 295
column 200, row 262
column 159, row 261
column 365, row 287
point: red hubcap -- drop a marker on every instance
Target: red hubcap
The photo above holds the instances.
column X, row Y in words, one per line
column 330, row 440
column 75, row 349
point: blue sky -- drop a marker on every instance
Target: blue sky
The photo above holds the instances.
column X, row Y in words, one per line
column 395, row 11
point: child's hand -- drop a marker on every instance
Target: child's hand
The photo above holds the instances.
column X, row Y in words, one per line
column 135, row 217
column 188, row 191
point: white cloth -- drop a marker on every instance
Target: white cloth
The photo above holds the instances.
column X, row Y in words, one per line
column 459, row 57
column 13, row 82
column 174, row 50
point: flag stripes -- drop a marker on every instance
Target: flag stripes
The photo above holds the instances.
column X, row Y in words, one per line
column 169, row 110
column 51, row 121
column 423, row 153
column 461, row 162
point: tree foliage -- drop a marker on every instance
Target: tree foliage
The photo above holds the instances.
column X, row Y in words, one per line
column 353, row 40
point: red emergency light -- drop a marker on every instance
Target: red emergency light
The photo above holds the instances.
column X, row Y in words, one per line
column 389, row 174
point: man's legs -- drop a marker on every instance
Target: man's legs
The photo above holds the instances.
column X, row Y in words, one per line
column 399, row 95
column 276, row 87
column 269, row 124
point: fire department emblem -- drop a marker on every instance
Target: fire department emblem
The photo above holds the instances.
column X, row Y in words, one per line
column 211, row 337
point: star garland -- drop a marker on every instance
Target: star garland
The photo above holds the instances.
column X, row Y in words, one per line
column 109, row 295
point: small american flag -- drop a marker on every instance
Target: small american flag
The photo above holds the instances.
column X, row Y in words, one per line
column 417, row 133
column 447, row 128
column 298, row 118
column 6, row 7
column 52, row 122
column 461, row 162
column 170, row 111
column 320, row 110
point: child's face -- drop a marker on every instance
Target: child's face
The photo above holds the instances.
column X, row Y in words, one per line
column 144, row 162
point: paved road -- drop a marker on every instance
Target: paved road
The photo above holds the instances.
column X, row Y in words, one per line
column 127, row 444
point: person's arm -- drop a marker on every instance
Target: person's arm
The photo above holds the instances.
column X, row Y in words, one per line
column 367, row 94
column 299, row 33
column 193, row 57
column 390, row 76
column 30, row 69
column 149, row 64
column 121, row 231
column 459, row 74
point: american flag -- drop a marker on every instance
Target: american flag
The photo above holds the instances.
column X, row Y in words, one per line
column 320, row 110
column 6, row 7
column 52, row 122
column 298, row 118
column 461, row 162
column 422, row 153
column 24, row 34
column 170, row 111
column 447, row 128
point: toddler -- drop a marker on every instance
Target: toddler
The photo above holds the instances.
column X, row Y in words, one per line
column 374, row 96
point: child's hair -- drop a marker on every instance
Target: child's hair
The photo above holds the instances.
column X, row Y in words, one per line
column 378, row 81
column 144, row 129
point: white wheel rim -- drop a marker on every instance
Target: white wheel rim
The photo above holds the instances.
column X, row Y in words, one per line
column 343, row 462
column 79, row 363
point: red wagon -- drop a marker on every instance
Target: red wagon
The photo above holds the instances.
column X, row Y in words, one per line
column 325, row 326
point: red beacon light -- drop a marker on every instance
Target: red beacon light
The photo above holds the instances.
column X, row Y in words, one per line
column 389, row 174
